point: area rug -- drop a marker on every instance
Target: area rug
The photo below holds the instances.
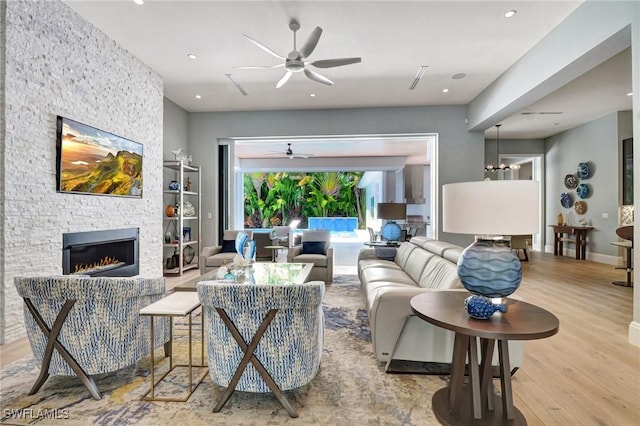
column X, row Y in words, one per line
column 351, row 386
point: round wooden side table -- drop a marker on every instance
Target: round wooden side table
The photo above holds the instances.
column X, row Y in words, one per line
column 455, row 405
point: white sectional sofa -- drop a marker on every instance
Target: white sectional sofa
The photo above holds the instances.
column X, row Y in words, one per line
column 420, row 265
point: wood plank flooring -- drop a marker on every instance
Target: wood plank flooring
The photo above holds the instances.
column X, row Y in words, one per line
column 587, row 374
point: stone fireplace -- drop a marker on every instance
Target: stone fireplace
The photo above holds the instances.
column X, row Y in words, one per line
column 108, row 253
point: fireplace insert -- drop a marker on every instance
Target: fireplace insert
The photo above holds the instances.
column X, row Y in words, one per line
column 108, row 253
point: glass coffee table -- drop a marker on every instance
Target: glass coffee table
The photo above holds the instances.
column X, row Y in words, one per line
column 259, row 273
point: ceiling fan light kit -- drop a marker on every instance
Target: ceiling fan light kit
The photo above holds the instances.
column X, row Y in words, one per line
column 294, row 62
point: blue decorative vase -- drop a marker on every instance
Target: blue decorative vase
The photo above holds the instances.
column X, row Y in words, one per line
column 174, row 185
column 481, row 307
column 391, row 232
column 489, row 268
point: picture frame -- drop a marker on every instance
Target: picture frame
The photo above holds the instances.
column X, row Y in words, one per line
column 186, row 234
column 92, row 161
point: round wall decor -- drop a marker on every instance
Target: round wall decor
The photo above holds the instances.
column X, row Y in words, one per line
column 581, row 207
column 583, row 190
column 566, row 200
column 570, row 181
column 584, row 171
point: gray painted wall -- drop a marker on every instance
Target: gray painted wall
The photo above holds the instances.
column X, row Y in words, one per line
column 597, row 143
column 460, row 152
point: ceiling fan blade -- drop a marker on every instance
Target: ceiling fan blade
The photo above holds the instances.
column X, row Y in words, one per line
column 263, row 47
column 311, row 43
column 317, row 77
column 259, row 67
column 284, row 79
column 338, row 62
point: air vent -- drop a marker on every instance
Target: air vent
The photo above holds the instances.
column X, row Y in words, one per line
column 541, row 113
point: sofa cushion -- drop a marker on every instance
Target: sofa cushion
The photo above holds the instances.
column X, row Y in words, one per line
column 370, row 275
column 377, row 263
column 228, row 246
column 403, row 253
column 219, row 259
column 416, row 262
column 314, row 247
column 441, row 273
column 317, row 259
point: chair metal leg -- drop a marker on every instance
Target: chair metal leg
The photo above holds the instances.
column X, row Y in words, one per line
column 52, row 342
column 249, row 356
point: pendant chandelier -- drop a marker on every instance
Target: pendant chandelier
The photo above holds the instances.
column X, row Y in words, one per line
column 502, row 166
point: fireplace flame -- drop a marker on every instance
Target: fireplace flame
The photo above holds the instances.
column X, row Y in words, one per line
column 106, row 261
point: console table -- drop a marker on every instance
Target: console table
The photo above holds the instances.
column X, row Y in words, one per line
column 455, row 405
column 579, row 234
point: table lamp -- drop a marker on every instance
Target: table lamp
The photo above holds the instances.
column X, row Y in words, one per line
column 391, row 211
column 490, row 210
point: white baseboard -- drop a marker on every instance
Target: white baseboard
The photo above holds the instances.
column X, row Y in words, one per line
column 634, row 333
column 596, row 257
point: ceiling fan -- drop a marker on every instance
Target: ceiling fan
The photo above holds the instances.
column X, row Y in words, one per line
column 294, row 61
column 289, row 153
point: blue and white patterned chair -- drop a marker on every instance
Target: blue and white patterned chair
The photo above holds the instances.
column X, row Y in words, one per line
column 285, row 321
column 95, row 323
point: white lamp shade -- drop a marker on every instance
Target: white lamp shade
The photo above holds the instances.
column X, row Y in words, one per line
column 492, row 207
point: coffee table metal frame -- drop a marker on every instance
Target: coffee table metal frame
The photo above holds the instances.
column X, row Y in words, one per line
column 180, row 304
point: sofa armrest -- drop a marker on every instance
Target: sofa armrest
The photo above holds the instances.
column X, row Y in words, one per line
column 367, row 253
column 389, row 310
column 293, row 252
column 205, row 253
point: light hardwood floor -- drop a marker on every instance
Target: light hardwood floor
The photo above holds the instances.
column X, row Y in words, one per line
column 587, row 374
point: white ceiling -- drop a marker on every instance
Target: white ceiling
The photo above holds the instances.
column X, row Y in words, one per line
column 393, row 38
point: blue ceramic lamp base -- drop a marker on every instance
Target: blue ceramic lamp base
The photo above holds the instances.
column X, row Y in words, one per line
column 491, row 271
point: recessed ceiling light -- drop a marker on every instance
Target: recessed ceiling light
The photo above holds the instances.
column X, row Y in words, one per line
column 313, row 95
column 458, row 76
column 198, row 97
column 445, row 90
column 139, row 2
column 510, row 13
column 191, row 56
column 630, row 94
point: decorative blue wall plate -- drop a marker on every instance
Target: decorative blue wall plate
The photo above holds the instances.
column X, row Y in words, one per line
column 584, row 171
column 566, row 200
column 583, row 191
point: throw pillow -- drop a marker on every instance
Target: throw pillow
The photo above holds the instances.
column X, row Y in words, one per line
column 313, row 247
column 228, row 246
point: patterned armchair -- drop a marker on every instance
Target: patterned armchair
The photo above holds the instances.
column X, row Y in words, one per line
column 315, row 248
column 96, row 323
column 285, row 321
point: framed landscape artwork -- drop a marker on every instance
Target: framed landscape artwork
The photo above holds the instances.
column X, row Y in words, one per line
column 92, row 161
